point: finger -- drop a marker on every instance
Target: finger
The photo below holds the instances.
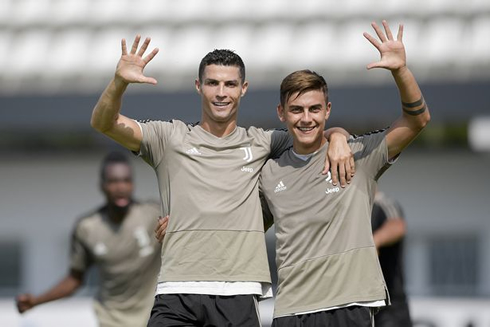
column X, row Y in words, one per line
column 148, row 80
column 387, row 30
column 399, row 37
column 348, row 173
column 342, row 175
column 124, row 50
column 161, row 232
column 379, row 32
column 327, row 167
column 135, row 44
column 352, row 166
column 374, row 65
column 150, row 56
column 335, row 173
column 371, row 39
column 144, row 46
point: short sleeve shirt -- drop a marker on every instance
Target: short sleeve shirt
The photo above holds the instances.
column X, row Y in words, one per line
column 209, row 187
column 126, row 254
column 325, row 252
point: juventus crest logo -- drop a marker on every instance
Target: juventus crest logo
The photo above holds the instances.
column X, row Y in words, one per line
column 248, row 153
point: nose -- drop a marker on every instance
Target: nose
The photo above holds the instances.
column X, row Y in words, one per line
column 306, row 117
column 221, row 91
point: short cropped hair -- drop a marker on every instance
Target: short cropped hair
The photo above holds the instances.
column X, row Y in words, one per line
column 302, row 81
column 111, row 159
column 222, row 57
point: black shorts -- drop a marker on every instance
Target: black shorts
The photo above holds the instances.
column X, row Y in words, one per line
column 395, row 315
column 354, row 316
column 204, row 310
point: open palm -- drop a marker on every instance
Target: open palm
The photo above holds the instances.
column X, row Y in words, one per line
column 131, row 65
column 392, row 51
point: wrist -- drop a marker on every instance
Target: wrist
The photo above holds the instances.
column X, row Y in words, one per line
column 398, row 72
column 338, row 134
column 120, row 84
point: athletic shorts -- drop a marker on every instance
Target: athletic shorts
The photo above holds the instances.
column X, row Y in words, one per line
column 395, row 315
column 204, row 310
column 354, row 316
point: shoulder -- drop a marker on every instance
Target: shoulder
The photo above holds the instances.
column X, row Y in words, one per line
column 148, row 205
column 88, row 221
column 377, row 134
column 147, row 209
column 173, row 123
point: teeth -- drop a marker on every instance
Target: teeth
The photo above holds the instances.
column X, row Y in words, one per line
column 305, row 129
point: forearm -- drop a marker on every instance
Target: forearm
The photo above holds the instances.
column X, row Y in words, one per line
column 64, row 288
column 332, row 130
column 415, row 114
column 107, row 109
column 415, row 110
column 391, row 232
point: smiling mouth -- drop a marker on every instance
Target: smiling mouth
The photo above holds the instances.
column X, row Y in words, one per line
column 306, row 129
column 221, row 104
column 122, row 201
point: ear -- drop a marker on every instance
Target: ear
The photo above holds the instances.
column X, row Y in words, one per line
column 198, row 86
column 329, row 108
column 280, row 113
column 244, row 88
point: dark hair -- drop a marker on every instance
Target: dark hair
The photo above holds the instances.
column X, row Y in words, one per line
column 111, row 159
column 222, row 57
column 302, row 81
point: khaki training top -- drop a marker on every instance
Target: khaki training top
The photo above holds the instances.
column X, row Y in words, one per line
column 325, row 252
column 209, row 187
column 126, row 254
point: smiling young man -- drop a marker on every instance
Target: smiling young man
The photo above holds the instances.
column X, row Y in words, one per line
column 328, row 268
column 116, row 238
column 214, row 260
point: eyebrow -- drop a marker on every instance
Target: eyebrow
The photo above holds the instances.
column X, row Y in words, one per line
column 318, row 105
column 207, row 80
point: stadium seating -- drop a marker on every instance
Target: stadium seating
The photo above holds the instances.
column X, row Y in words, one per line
column 73, row 45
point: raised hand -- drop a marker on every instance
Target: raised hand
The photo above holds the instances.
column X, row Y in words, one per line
column 392, row 51
column 131, row 65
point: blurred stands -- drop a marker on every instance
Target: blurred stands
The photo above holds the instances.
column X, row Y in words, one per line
column 66, row 46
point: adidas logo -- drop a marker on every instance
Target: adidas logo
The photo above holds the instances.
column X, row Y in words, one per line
column 193, row 151
column 280, row 187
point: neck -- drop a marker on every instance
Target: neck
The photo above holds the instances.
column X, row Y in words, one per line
column 117, row 214
column 219, row 129
column 308, row 149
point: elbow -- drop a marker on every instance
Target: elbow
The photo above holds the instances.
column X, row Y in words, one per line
column 426, row 119
column 422, row 121
column 98, row 125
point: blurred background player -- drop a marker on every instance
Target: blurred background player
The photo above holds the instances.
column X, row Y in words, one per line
column 389, row 229
column 115, row 238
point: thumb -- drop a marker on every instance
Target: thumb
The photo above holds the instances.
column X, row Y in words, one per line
column 149, row 80
column 327, row 168
column 374, row 65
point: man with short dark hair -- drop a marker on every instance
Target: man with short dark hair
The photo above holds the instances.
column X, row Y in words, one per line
column 214, row 260
column 116, row 238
